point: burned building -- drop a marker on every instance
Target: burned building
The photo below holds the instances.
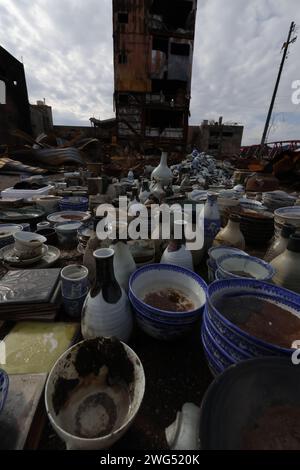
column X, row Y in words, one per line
column 14, row 105
column 41, row 118
column 217, row 138
column 153, row 54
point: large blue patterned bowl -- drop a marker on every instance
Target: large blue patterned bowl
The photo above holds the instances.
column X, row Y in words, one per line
column 235, row 353
column 4, row 384
column 226, row 327
column 155, row 277
column 215, row 367
column 219, row 354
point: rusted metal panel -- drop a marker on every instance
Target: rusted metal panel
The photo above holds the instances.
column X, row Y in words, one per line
column 132, row 47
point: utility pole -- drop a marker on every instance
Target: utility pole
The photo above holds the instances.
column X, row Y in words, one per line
column 285, row 47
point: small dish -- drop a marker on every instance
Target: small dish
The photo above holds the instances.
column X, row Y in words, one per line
column 8, row 255
column 69, row 216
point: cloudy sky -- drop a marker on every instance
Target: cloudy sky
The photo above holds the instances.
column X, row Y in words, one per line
column 66, row 47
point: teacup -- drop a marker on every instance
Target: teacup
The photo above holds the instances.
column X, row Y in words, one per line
column 29, row 245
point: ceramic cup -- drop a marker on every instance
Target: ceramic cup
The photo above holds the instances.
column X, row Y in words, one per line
column 73, row 307
column 43, row 224
column 28, row 245
column 74, row 281
column 67, row 234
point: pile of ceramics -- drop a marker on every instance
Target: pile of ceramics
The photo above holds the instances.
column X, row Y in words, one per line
column 224, row 342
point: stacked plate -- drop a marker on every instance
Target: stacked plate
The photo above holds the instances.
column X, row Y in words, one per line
column 74, row 204
column 159, row 278
column 224, row 342
column 276, row 199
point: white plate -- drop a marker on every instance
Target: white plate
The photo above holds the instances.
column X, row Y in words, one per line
column 62, row 216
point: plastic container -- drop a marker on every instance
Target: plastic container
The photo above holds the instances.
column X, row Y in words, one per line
column 25, row 193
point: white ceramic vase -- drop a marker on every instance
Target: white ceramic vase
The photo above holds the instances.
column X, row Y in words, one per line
column 106, row 310
column 162, row 172
column 287, row 266
column 177, row 253
column 124, row 264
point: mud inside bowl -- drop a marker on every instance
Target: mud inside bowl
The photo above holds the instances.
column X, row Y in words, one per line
column 167, row 288
column 91, row 392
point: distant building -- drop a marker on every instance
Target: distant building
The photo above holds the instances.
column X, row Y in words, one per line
column 41, row 118
column 217, row 138
column 153, row 55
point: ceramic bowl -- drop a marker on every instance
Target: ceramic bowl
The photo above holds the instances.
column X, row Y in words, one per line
column 7, row 232
column 287, row 215
column 4, row 385
column 240, row 395
column 234, row 352
column 67, row 234
column 159, row 323
column 231, row 264
column 94, row 392
column 28, row 244
column 74, row 204
column 227, row 327
column 48, row 203
column 215, row 367
column 217, row 252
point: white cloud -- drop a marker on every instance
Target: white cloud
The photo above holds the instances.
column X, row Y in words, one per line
column 67, row 50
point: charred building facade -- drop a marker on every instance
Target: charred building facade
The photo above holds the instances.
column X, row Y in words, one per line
column 153, row 54
column 14, row 104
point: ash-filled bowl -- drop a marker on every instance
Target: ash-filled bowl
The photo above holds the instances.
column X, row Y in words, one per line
column 160, row 281
column 232, row 302
column 94, row 392
column 253, row 405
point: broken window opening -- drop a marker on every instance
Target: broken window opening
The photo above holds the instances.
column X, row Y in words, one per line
column 123, row 17
column 2, row 92
column 227, row 134
column 213, row 146
column 180, row 49
column 123, row 99
column 160, row 44
column 164, row 119
column 214, row 133
column 15, row 82
column 175, row 17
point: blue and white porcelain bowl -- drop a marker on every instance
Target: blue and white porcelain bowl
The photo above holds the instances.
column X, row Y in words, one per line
column 217, row 252
column 4, row 384
column 214, row 365
column 234, row 352
column 230, row 265
column 227, row 327
column 159, row 323
column 74, row 204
